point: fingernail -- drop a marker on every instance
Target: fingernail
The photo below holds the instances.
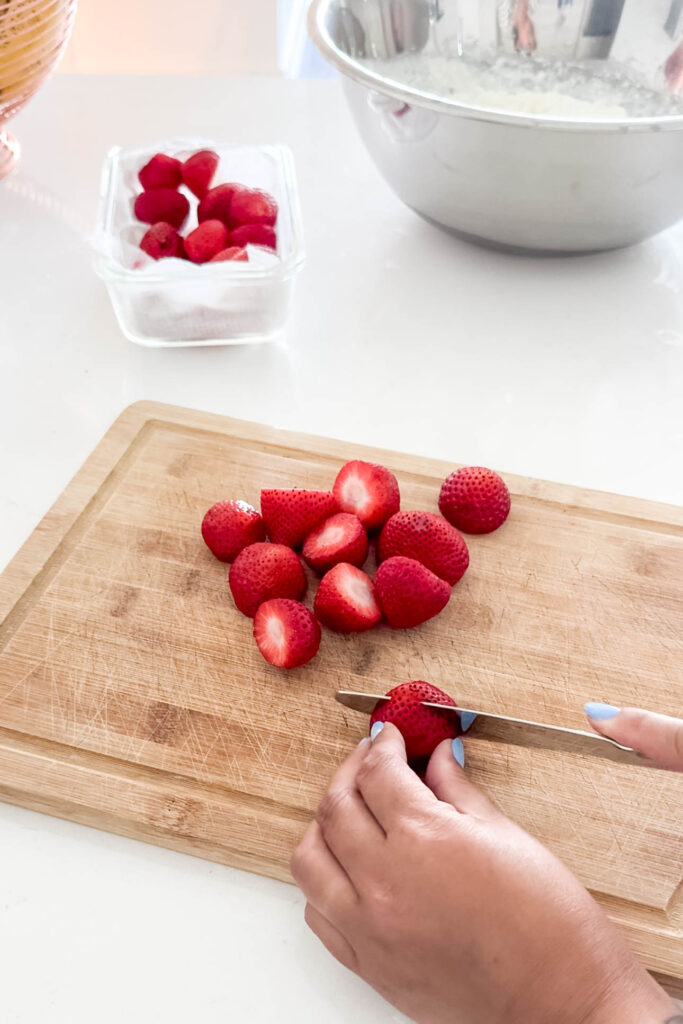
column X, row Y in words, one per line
column 376, row 730
column 366, row 739
column 466, row 719
column 600, row 712
column 458, row 752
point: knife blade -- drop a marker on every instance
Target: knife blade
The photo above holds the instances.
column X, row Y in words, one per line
column 518, row 731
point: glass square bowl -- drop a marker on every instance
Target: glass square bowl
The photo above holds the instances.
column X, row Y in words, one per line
column 173, row 302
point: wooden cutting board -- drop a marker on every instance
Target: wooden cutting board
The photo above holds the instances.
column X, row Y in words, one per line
column 133, row 698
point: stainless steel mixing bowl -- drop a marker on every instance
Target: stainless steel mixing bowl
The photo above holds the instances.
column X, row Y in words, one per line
column 524, row 181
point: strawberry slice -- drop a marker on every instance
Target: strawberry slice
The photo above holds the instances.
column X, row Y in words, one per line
column 369, row 491
column 341, row 538
column 409, row 593
column 346, row 601
column 229, row 527
column 422, row 728
column 161, row 171
column 427, row 537
column 262, row 571
column 291, row 514
column 286, row 633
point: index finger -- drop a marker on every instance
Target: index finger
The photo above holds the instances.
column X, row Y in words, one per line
column 391, row 790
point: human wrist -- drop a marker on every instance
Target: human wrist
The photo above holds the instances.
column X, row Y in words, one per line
column 635, row 999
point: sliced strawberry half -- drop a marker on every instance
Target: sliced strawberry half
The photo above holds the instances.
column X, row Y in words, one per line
column 409, row 593
column 346, row 600
column 286, row 633
column 368, row 491
column 291, row 514
column 341, row 538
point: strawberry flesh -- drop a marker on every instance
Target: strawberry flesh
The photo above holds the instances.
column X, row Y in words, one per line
column 263, row 571
column 286, row 633
column 291, row 514
column 232, row 254
column 229, row 527
column 198, row 171
column 409, row 593
column 427, row 537
column 368, row 491
column 422, row 728
column 346, row 601
column 475, row 500
column 341, row 538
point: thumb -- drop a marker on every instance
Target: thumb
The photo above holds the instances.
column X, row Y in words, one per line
column 656, row 736
column 446, row 778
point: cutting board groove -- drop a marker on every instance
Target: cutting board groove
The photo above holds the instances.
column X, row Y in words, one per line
column 133, row 699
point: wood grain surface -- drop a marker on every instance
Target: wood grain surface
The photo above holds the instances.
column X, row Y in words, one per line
column 133, row 698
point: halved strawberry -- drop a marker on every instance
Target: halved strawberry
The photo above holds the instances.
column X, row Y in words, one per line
column 254, row 234
column 263, row 571
column 346, row 600
column 198, row 171
column 215, row 204
column 161, row 171
column 427, row 537
column 369, row 491
column 291, row 514
column 251, row 206
column 286, row 633
column 475, row 499
column 341, row 538
column 422, row 728
column 409, row 593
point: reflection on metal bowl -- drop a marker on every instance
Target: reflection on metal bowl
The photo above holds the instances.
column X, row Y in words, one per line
column 529, row 181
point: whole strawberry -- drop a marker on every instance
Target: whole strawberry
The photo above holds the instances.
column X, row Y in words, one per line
column 422, row 728
column 286, row 633
column 427, row 537
column 229, row 527
column 475, row 500
column 263, row 571
column 346, row 600
column 291, row 514
column 409, row 593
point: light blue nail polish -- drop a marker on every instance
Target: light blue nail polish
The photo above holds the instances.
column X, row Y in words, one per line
column 376, row 730
column 600, row 712
column 458, row 751
column 366, row 739
column 467, row 718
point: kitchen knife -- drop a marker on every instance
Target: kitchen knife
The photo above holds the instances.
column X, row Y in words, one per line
column 517, row 731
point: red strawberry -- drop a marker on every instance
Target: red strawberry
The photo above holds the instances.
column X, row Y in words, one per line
column 346, row 600
column 409, row 593
column 230, row 526
column 198, row 171
column 216, row 203
column 341, row 538
column 160, row 172
column 162, row 240
column 291, row 514
column 286, row 633
column 251, row 206
column 263, row 571
column 475, row 500
column 422, row 728
column 231, row 253
column 162, row 204
column 254, row 234
column 205, row 241
column 427, row 537
column 369, row 491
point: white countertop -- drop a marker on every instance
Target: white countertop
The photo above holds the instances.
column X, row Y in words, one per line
column 401, row 336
